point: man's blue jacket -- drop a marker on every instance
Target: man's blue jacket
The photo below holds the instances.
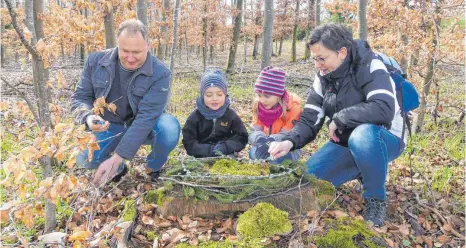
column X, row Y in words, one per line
column 148, row 93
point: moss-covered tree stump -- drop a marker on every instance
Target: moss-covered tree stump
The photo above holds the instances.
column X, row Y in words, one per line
column 200, row 188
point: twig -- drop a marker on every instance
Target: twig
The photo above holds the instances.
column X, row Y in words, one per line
column 14, row 22
column 29, row 103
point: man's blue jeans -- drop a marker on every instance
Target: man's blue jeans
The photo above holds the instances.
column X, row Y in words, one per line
column 370, row 148
column 163, row 138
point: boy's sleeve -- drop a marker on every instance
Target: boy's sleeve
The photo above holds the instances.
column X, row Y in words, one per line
column 190, row 142
column 240, row 135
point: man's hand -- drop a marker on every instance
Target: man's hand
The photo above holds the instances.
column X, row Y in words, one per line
column 332, row 128
column 280, row 149
column 97, row 124
column 107, row 170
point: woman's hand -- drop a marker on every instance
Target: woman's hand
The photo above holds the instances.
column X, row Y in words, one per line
column 280, row 149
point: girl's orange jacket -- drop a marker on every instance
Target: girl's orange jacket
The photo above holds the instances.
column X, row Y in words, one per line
column 292, row 114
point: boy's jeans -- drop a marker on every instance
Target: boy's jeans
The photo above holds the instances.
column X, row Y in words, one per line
column 163, row 138
column 370, row 148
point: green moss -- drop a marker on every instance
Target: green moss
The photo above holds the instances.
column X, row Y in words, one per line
column 343, row 234
column 324, row 190
column 151, row 235
column 129, row 212
column 232, row 167
column 155, row 196
column 263, row 220
column 251, row 243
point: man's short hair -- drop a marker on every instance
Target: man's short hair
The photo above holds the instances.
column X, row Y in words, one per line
column 133, row 26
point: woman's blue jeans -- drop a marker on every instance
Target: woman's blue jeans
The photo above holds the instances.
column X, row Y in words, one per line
column 370, row 148
column 163, row 138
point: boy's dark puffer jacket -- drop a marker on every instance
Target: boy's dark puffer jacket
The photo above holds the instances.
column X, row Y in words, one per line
column 201, row 135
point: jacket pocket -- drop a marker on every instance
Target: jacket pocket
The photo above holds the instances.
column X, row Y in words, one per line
column 99, row 87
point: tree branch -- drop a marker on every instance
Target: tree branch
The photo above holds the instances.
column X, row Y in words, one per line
column 22, row 95
column 28, row 46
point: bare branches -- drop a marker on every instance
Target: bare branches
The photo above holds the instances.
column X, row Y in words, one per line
column 22, row 95
column 18, row 30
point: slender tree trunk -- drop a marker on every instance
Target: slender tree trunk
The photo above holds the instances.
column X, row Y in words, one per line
column 255, row 47
column 280, row 47
column 109, row 24
column 257, row 21
column 187, row 48
column 362, row 21
column 175, row 34
column 163, row 29
column 141, row 11
column 29, row 20
column 295, row 28
column 211, row 33
column 268, row 30
column 82, row 47
column 235, row 39
column 204, row 35
column 41, row 75
column 310, row 7
column 317, row 13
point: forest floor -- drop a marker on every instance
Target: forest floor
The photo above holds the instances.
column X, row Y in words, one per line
column 425, row 188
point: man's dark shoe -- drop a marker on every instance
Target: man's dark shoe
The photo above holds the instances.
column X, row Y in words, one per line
column 123, row 170
column 376, row 211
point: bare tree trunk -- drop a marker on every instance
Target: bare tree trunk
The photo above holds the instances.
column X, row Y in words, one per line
column 82, row 47
column 234, row 41
column 317, row 13
column 257, row 20
column 163, row 30
column 211, row 33
column 187, row 48
column 295, row 28
column 255, row 47
column 141, row 11
column 29, row 20
column 204, row 34
column 362, row 20
column 280, row 47
column 109, row 24
column 41, row 76
column 268, row 30
column 175, row 34
column 310, row 7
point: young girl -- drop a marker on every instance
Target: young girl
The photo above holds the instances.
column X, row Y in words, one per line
column 275, row 110
column 213, row 129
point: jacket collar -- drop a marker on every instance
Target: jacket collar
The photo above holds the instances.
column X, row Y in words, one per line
column 111, row 58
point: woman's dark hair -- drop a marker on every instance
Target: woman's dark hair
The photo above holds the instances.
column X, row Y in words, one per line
column 333, row 36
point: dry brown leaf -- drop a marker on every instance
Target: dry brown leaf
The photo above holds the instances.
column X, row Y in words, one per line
column 429, row 242
column 311, row 214
column 79, row 236
column 148, row 220
column 337, row 214
column 404, row 229
column 226, row 225
column 112, row 107
column 443, row 239
column 390, row 242
column 186, row 219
